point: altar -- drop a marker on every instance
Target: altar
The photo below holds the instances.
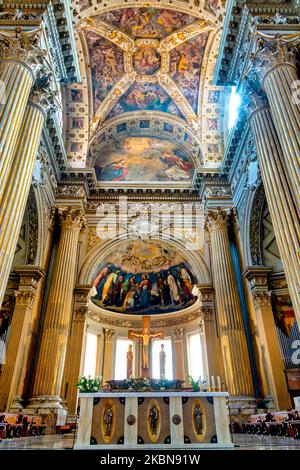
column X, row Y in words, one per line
column 153, row 419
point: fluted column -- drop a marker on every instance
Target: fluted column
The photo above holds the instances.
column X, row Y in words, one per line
column 75, row 348
column 109, row 336
column 18, row 179
column 230, row 322
column 276, row 66
column 18, row 344
column 178, row 356
column 19, row 56
column 284, row 212
column 272, row 360
column 53, row 345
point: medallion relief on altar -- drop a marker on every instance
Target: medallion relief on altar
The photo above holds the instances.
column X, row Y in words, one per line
column 199, row 419
column 108, row 421
column 154, row 420
column 154, row 412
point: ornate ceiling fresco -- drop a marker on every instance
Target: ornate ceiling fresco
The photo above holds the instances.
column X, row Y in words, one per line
column 143, row 65
column 144, row 278
column 143, row 159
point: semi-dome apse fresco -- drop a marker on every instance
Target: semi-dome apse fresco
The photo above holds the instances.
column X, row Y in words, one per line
column 141, row 277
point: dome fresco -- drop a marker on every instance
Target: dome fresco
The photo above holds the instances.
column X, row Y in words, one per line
column 144, row 278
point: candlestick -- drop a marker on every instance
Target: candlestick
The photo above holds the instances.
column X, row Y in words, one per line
column 213, row 384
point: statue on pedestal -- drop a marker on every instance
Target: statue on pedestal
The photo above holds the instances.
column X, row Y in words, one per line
column 129, row 358
column 162, row 362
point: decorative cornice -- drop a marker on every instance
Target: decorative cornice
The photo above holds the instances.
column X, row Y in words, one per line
column 29, row 276
column 73, row 190
column 257, row 277
column 155, row 323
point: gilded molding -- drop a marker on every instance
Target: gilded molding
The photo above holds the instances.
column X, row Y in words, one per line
column 108, row 334
column 70, row 190
column 72, row 219
column 262, row 299
column 178, row 334
column 163, row 323
column 41, row 95
column 22, row 47
column 80, row 314
column 25, row 299
column 272, row 52
column 207, row 313
column 217, row 219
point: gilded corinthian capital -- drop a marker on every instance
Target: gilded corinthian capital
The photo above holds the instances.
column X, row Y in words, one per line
column 42, row 95
column 253, row 96
column 21, row 46
column 217, row 219
column 273, row 51
column 72, row 219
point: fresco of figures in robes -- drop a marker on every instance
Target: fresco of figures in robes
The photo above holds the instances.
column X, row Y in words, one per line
column 161, row 288
column 143, row 159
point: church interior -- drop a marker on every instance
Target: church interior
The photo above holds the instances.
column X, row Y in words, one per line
column 150, row 223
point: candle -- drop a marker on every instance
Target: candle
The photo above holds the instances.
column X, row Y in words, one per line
column 213, row 384
column 219, row 382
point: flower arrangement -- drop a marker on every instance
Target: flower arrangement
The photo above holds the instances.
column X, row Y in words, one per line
column 89, row 384
column 198, row 385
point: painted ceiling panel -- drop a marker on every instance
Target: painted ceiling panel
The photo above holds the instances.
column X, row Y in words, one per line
column 107, row 66
column 145, row 96
column 143, row 160
column 147, row 22
column 185, row 67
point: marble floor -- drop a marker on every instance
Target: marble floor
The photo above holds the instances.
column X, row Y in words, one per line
column 241, row 441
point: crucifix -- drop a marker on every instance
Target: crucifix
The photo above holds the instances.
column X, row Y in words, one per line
column 145, row 335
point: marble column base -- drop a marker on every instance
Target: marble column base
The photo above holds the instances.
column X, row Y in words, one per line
column 240, row 407
column 45, row 403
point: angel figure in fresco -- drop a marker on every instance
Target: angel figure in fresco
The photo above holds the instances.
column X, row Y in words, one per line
column 115, row 171
column 171, row 157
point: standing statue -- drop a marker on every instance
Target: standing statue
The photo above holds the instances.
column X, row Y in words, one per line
column 198, row 420
column 129, row 357
column 108, row 419
column 153, row 415
column 162, row 362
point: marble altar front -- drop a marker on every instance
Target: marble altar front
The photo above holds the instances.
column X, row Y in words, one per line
column 157, row 419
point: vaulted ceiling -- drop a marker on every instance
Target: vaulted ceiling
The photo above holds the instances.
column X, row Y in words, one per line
column 146, row 97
